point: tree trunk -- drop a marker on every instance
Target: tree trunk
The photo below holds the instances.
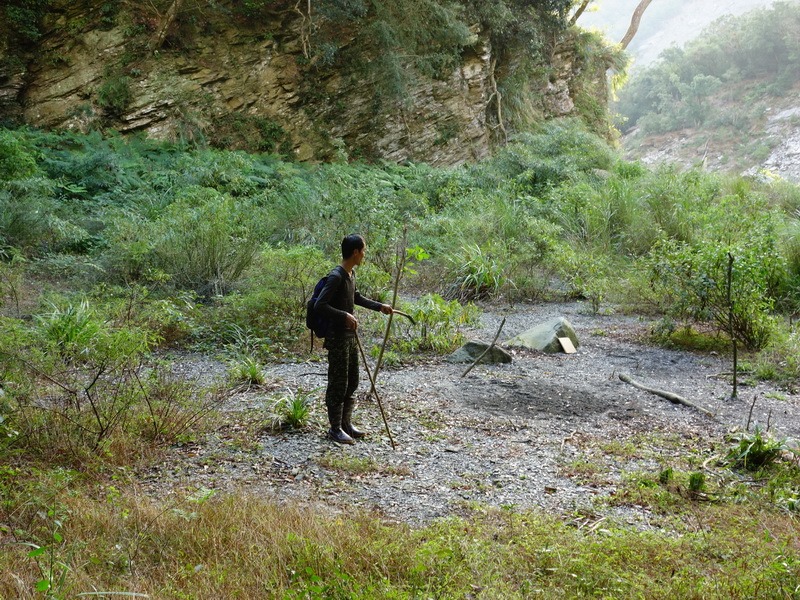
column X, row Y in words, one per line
column 158, row 40
column 579, row 12
column 635, row 20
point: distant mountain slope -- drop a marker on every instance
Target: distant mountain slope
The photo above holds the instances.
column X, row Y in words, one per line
column 769, row 144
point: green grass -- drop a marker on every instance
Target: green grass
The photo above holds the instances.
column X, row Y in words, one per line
column 203, row 545
column 359, row 465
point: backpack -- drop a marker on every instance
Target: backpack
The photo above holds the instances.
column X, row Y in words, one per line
column 317, row 323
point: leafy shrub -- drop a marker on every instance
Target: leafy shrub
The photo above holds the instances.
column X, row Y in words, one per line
column 270, row 300
column 24, row 17
column 79, row 385
column 26, row 211
column 533, row 258
column 437, row 325
column 586, row 275
column 205, row 241
column 238, row 131
column 15, row 161
column 561, row 152
column 115, row 94
column 692, row 283
column 76, row 383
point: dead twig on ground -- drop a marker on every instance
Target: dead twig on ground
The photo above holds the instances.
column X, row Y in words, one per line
column 750, row 414
column 674, row 398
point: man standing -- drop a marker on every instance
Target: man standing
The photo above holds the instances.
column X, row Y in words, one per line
column 336, row 303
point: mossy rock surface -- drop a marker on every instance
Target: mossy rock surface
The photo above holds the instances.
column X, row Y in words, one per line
column 544, row 337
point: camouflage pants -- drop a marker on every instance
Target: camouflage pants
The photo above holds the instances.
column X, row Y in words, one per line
column 342, row 370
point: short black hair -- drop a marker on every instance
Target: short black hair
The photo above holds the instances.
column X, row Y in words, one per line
column 351, row 243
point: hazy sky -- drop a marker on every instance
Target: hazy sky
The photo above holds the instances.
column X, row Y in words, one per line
column 665, row 22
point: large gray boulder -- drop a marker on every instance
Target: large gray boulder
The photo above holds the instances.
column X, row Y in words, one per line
column 472, row 350
column 544, row 337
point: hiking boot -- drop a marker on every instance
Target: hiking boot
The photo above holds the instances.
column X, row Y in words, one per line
column 352, row 431
column 347, row 416
column 340, row 437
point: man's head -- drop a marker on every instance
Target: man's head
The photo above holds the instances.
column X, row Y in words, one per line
column 353, row 244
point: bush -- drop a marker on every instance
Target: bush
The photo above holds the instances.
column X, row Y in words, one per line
column 114, row 94
column 269, row 302
column 586, row 276
column 563, row 151
column 24, row 209
column 692, row 283
column 15, row 161
column 24, row 18
column 238, row 131
column 74, row 384
column 79, row 385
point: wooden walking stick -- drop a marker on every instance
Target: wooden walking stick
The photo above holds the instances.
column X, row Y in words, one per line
column 373, row 390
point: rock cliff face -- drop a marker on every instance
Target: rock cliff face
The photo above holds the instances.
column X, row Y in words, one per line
column 89, row 71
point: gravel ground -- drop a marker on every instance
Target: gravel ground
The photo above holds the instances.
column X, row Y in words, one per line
column 504, row 435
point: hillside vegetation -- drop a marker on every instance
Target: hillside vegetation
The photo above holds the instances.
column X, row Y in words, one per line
column 719, row 91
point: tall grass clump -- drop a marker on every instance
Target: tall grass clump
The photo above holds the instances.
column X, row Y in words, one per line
column 115, row 539
column 205, row 241
column 269, row 301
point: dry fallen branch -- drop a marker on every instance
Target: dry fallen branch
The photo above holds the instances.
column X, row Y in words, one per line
column 674, row 398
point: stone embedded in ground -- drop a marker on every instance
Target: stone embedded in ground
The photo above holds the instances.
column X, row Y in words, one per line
column 472, row 350
column 544, row 337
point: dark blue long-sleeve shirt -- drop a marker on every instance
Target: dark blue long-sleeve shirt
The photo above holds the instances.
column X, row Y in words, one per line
column 338, row 297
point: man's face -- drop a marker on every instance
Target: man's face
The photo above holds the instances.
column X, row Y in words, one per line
column 359, row 254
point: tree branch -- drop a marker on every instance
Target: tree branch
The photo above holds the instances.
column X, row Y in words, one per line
column 579, row 12
column 674, row 398
column 635, row 20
